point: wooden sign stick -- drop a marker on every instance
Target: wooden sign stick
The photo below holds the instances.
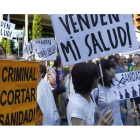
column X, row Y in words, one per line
column 103, row 83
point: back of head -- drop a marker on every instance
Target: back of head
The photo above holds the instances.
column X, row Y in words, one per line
column 43, row 70
column 83, row 76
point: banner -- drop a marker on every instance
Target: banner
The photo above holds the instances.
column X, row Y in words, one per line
column 6, row 29
column 18, row 92
column 82, row 37
column 127, row 85
column 45, row 49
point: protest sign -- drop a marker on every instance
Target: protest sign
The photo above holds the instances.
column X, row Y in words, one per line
column 18, row 92
column 127, row 85
column 30, row 51
column 45, row 49
column 6, row 29
column 82, row 37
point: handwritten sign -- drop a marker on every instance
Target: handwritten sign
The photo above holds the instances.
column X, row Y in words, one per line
column 82, row 37
column 45, row 49
column 6, row 29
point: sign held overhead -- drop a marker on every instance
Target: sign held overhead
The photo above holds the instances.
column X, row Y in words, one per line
column 82, row 37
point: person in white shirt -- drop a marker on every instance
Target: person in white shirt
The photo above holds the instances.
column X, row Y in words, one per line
column 45, row 100
column 108, row 68
column 81, row 108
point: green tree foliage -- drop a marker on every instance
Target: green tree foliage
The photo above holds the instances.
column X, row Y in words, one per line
column 6, row 43
column 37, row 29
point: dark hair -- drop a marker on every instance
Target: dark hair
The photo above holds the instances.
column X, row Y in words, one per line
column 137, row 54
column 83, row 76
column 106, row 64
column 43, row 70
column 57, row 62
column 113, row 57
column 3, row 49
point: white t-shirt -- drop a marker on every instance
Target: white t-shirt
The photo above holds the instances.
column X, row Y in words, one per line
column 79, row 107
column 46, row 103
column 69, row 86
column 113, row 102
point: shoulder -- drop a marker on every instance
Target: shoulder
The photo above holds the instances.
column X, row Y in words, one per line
column 120, row 69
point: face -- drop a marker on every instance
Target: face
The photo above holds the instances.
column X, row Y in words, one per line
column 70, row 68
column 136, row 59
column 2, row 54
column 122, row 60
column 110, row 73
column 117, row 56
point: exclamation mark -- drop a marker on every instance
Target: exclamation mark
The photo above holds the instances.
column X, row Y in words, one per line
column 128, row 33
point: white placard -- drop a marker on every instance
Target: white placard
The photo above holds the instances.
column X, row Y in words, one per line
column 6, row 29
column 127, row 85
column 82, row 37
column 45, row 49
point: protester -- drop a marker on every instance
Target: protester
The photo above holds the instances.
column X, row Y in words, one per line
column 119, row 69
column 67, row 84
column 123, row 63
column 2, row 52
column 46, row 109
column 118, row 57
column 81, row 108
column 50, row 77
column 136, row 60
column 130, row 60
column 108, row 69
column 61, row 91
column 12, row 57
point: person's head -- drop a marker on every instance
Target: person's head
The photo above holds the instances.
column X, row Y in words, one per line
column 42, row 71
column 42, row 62
column 108, row 69
column 57, row 62
column 122, row 60
column 136, row 59
column 84, row 77
column 12, row 57
column 114, row 59
column 2, row 52
column 118, row 56
column 130, row 56
column 70, row 67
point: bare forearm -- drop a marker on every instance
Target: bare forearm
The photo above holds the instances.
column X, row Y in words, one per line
column 51, row 79
column 123, row 110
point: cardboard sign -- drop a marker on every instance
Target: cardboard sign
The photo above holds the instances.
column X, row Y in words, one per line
column 127, row 85
column 6, row 29
column 82, row 37
column 18, row 92
column 45, row 49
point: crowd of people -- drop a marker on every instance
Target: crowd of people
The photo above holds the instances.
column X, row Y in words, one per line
column 78, row 97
